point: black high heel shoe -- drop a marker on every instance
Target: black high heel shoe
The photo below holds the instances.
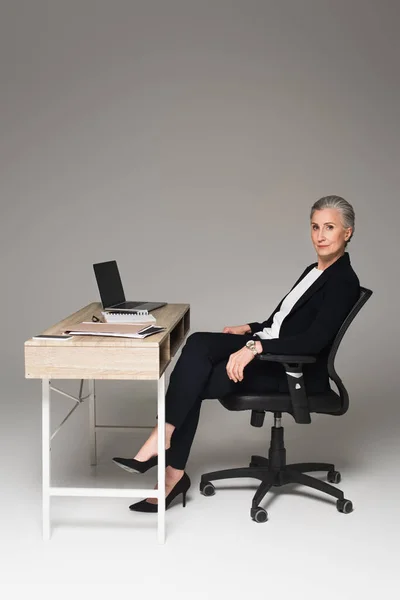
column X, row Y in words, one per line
column 180, row 488
column 137, row 466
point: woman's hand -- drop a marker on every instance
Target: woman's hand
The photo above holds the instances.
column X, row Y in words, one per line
column 238, row 329
column 237, row 362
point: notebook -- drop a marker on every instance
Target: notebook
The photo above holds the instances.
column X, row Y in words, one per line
column 112, row 292
column 123, row 317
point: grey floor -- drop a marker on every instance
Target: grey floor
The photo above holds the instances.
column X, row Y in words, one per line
column 306, row 548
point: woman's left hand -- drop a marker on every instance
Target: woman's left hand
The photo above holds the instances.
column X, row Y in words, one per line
column 237, row 362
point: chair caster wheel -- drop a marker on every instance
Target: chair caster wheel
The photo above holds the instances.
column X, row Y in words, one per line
column 334, row 477
column 207, row 488
column 344, row 506
column 258, row 514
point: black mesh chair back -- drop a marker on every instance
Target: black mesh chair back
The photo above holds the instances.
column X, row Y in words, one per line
column 365, row 294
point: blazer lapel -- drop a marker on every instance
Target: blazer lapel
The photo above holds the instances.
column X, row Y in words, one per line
column 340, row 263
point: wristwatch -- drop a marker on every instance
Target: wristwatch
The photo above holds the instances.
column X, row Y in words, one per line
column 251, row 345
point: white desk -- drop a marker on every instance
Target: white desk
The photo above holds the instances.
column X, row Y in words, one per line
column 91, row 358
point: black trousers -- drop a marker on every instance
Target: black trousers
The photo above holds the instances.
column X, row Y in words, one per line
column 200, row 373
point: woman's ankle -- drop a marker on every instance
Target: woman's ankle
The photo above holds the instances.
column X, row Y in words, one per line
column 150, row 447
column 172, row 474
column 146, row 452
column 169, row 430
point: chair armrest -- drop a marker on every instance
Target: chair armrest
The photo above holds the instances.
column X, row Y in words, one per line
column 294, row 373
column 286, row 358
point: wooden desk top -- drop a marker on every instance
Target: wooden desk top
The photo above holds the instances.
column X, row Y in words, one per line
column 96, row 357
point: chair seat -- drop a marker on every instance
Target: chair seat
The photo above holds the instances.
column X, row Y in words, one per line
column 328, row 402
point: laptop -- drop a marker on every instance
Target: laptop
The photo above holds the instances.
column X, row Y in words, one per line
column 112, row 293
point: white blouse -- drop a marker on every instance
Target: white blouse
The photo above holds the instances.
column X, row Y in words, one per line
column 269, row 333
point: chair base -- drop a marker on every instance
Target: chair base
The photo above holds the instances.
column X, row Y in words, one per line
column 273, row 471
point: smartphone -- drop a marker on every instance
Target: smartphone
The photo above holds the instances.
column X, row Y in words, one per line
column 52, row 337
column 150, row 330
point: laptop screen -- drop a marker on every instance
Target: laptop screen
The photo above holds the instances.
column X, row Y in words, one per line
column 109, row 283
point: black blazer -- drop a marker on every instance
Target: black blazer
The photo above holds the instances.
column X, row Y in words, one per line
column 314, row 321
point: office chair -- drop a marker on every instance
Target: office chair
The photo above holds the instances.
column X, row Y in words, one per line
column 274, row 471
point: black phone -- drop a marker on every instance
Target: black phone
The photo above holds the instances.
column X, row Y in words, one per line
column 150, row 330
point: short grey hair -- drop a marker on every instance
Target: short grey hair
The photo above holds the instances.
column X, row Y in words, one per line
column 345, row 208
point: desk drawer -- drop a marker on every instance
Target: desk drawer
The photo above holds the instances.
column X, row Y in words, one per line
column 79, row 362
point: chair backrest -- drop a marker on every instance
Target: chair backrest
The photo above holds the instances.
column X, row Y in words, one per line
column 365, row 294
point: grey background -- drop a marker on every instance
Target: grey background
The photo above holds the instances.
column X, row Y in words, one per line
column 188, row 140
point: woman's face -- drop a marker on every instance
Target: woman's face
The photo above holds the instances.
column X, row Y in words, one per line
column 328, row 234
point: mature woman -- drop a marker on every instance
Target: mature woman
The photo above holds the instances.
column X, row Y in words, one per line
column 214, row 364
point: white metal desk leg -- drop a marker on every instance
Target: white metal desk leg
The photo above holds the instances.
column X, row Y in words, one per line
column 161, row 459
column 46, row 458
column 92, row 422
